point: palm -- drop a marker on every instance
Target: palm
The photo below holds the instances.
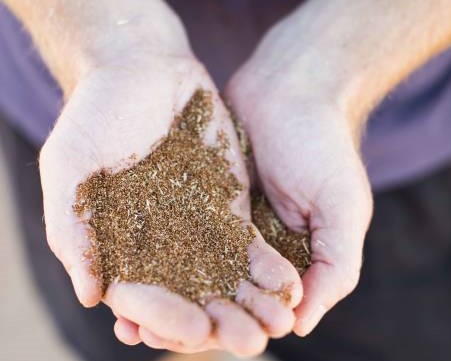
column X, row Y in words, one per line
column 308, row 166
column 116, row 113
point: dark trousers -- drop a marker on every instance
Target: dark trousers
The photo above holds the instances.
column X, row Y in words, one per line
column 401, row 309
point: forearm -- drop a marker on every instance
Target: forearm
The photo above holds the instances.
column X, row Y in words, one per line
column 76, row 36
column 355, row 51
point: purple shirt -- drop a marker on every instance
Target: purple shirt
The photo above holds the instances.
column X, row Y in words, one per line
column 408, row 134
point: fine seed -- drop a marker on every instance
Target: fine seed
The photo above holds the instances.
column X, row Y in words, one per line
column 294, row 246
column 167, row 219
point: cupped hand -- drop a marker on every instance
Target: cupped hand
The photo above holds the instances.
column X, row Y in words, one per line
column 124, row 109
column 308, row 164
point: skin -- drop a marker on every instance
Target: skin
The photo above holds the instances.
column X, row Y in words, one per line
column 116, row 107
column 93, row 132
column 303, row 98
column 312, row 81
column 92, row 135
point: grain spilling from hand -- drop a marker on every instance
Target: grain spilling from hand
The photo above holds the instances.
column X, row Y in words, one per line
column 167, row 220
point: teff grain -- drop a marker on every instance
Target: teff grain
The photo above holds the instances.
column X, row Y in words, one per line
column 167, row 220
column 294, row 246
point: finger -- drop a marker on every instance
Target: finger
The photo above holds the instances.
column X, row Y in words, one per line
column 337, row 244
column 334, row 273
column 127, row 331
column 272, row 272
column 164, row 313
column 236, row 331
column 154, row 341
column 276, row 318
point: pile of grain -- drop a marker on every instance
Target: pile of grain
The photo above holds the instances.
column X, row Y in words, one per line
column 294, row 246
column 167, row 220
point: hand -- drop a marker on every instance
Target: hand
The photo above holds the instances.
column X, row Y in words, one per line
column 304, row 97
column 123, row 109
column 307, row 162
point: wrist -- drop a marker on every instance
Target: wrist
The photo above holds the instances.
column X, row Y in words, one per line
column 74, row 38
column 130, row 50
column 135, row 42
column 135, row 35
column 348, row 57
column 297, row 92
column 311, row 80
